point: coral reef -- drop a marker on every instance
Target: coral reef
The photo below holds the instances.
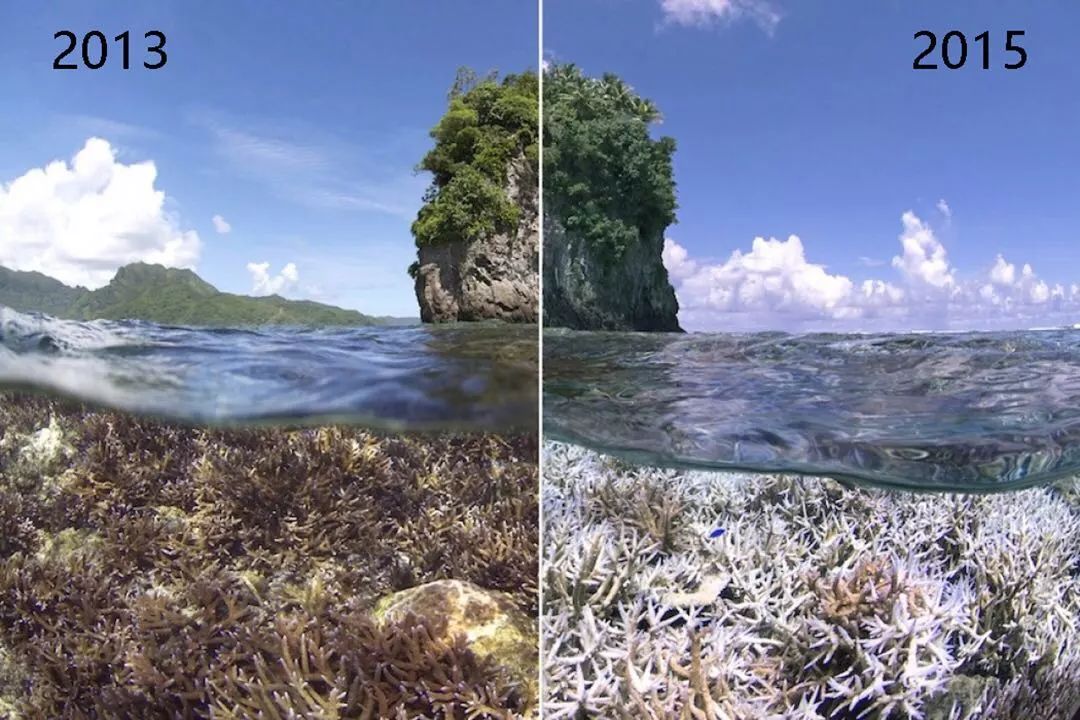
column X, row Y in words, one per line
column 732, row 596
column 149, row 570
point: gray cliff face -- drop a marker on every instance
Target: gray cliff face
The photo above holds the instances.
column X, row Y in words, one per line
column 495, row 278
column 584, row 292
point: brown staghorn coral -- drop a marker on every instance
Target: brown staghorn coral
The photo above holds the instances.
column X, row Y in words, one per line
column 152, row 570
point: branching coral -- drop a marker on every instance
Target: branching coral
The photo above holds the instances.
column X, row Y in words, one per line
column 814, row 600
column 172, row 571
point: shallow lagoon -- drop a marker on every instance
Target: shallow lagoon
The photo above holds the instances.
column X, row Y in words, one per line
column 971, row 412
column 468, row 377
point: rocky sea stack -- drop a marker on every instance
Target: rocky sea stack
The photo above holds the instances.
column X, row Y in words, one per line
column 478, row 233
column 608, row 197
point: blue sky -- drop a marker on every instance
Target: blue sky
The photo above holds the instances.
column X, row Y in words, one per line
column 805, row 118
column 298, row 125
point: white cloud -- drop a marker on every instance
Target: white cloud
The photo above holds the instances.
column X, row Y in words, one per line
column 944, row 209
column 1010, row 290
column 707, row 12
column 676, row 260
column 924, row 260
column 265, row 284
column 80, row 221
column 775, row 286
column 1003, row 273
column 774, row 277
column 221, row 225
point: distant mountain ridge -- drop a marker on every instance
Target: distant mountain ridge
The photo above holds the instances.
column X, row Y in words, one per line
column 172, row 296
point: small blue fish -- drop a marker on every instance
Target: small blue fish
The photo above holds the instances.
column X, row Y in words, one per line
column 717, row 533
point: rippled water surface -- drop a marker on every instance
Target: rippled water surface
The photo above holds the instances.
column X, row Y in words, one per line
column 986, row 411
column 469, row 376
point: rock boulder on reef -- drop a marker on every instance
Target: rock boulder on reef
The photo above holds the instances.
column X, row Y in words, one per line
column 494, row 627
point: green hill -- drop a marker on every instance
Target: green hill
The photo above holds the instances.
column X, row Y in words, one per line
column 169, row 296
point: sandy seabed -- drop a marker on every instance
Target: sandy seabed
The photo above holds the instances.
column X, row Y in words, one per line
column 725, row 596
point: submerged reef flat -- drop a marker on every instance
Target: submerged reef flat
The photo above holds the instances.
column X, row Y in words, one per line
column 150, row 570
column 726, row 596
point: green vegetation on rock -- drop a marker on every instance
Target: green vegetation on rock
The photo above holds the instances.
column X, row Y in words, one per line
column 165, row 295
column 605, row 178
column 489, row 126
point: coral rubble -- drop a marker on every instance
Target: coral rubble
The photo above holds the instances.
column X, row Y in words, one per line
column 150, row 570
column 732, row 596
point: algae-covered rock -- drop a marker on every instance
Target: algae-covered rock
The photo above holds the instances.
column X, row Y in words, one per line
column 36, row 455
column 493, row 626
column 964, row 692
column 1070, row 490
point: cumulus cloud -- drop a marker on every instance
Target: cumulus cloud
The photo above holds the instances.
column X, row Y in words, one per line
column 924, row 261
column 1003, row 273
column 80, row 221
column 1009, row 289
column 263, row 283
column 775, row 286
column 773, row 277
column 221, row 225
column 677, row 261
column 707, row 12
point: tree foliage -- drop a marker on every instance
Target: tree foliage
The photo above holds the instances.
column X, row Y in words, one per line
column 605, row 178
column 489, row 124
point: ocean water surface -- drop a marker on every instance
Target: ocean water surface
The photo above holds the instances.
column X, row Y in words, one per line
column 972, row 412
column 474, row 376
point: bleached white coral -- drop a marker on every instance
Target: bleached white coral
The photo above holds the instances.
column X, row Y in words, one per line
column 732, row 596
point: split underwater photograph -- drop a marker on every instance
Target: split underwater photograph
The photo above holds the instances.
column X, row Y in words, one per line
column 539, row 360
column 811, row 361
column 269, row 361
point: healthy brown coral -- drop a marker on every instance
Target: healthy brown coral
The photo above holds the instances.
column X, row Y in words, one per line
column 169, row 571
